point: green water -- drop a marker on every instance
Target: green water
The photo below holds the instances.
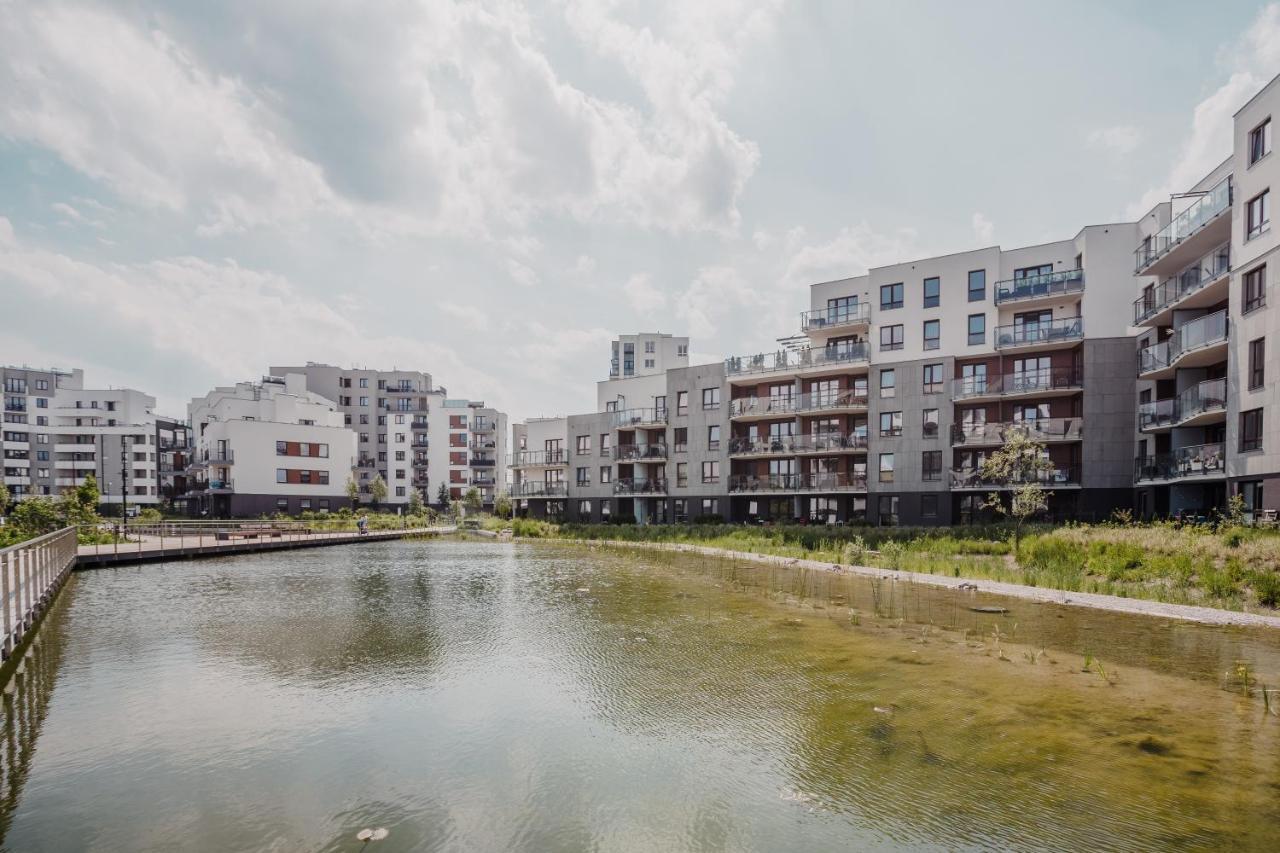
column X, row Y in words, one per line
column 476, row 696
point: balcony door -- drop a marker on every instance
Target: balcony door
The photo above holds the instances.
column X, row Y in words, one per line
column 974, row 378
column 1029, row 373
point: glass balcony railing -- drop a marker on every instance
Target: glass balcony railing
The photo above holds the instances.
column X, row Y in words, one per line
column 540, row 489
column 1023, row 382
column 1032, row 287
column 1202, row 211
column 838, row 481
column 1203, row 397
column 778, row 405
column 1209, row 268
column 821, row 401
column 630, row 418
column 1198, row 334
column 1199, row 460
column 799, row 359
column 640, row 486
column 1064, row 330
column 972, row 478
column 791, row 444
column 1154, row 357
column 540, row 457
column 639, row 452
column 825, row 318
column 1040, row 429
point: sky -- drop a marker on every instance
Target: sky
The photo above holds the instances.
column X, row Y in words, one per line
column 490, row 192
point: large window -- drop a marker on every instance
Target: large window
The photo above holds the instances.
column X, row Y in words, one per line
column 932, row 334
column 932, row 379
column 1258, row 214
column 682, row 402
column 977, row 329
column 977, row 285
column 711, row 398
column 928, row 506
column 584, row 445
column 711, row 472
column 890, row 296
column 713, row 437
column 886, row 467
column 891, row 337
column 888, row 515
column 1251, row 430
column 891, row 423
column 932, row 292
column 931, row 465
column 682, row 474
column 1257, row 363
column 929, row 417
column 888, row 384
column 1255, row 288
column 680, row 438
column 1260, row 142
column 583, row 476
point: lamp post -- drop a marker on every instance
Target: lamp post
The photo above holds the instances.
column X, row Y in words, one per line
column 124, row 482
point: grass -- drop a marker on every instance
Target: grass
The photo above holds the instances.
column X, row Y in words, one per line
column 1231, row 567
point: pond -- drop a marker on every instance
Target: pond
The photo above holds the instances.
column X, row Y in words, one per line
column 477, row 695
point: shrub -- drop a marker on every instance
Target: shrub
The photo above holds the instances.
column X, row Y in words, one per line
column 709, row 518
column 854, row 551
column 1266, row 586
column 891, row 554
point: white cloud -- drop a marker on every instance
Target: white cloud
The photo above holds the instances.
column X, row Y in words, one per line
column 712, row 295
column 984, row 230
column 521, row 274
column 1254, row 60
column 852, row 251
column 585, row 265
column 1121, row 139
column 642, row 296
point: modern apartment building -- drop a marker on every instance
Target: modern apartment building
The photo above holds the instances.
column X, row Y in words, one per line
column 56, row 432
column 266, row 447
column 468, row 449
column 1207, row 419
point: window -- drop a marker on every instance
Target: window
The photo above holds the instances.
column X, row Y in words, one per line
column 931, row 465
column 891, row 337
column 932, row 380
column 932, row 334
column 713, row 437
column 711, row 398
column 930, row 419
column 282, row 476
column 682, row 350
column 1255, row 288
column 977, row 285
column 364, row 401
column 1251, row 430
column 1260, row 142
column 928, row 506
column 282, row 504
column 648, row 362
column 888, row 384
column 606, row 474
column 682, row 474
column 888, row 510
column 886, row 467
column 648, row 346
column 681, row 438
column 1251, row 492
column 711, row 472
column 709, row 506
column 977, row 329
column 583, row 476
column 682, row 402
column 932, row 292
column 1257, row 363
column 584, row 445
column 890, row 296
column 891, row 423
column 1258, row 214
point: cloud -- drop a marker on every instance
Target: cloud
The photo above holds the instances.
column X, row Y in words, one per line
column 1121, row 139
column 584, row 265
column 521, row 274
column 852, row 251
column 642, row 296
column 1253, row 60
column 984, row 230
column 712, row 295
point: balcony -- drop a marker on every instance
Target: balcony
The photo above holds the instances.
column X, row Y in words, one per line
column 221, row 487
column 540, row 489
column 633, row 418
column 1197, row 343
column 808, row 360
column 831, row 319
column 1191, row 228
column 483, row 426
column 483, row 481
column 1202, row 403
column 971, row 479
column 747, row 408
column 1193, row 463
column 482, row 462
column 793, row 445
column 1040, row 336
column 540, row 458
column 484, row 444
column 1200, row 285
column 640, row 486
column 653, row 452
column 794, row 483
column 1054, row 381
column 1037, row 289
column 1047, row 430
column 832, row 401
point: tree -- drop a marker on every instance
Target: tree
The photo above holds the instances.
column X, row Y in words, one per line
column 472, row 500
column 1023, row 464
column 353, row 491
column 378, row 490
column 442, row 496
column 502, row 506
column 4, row 497
column 415, row 502
column 80, row 504
column 36, row 516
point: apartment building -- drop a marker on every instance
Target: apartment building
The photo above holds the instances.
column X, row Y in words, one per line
column 266, row 447
column 173, row 449
column 1207, row 423
column 468, row 450
column 56, row 432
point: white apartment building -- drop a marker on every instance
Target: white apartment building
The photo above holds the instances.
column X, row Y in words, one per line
column 267, row 447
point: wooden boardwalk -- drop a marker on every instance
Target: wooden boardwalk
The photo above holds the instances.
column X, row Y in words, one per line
column 209, row 543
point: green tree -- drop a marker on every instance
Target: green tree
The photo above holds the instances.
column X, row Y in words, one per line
column 415, row 502
column 36, row 516
column 4, row 497
column 502, row 506
column 378, row 490
column 442, row 496
column 353, row 491
column 1023, row 465
column 80, row 504
column 472, row 500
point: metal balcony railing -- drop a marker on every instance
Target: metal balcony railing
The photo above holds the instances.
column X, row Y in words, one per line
column 1209, row 268
column 1035, row 286
column 784, row 445
column 1203, row 397
column 777, row 405
column 972, row 478
column 640, row 452
column 1024, row 382
column 839, row 481
column 1063, row 330
column 800, row 359
column 540, row 457
column 1199, row 460
column 628, row 418
column 1040, row 429
column 640, row 486
column 1203, row 211
column 540, row 489
column 826, row 318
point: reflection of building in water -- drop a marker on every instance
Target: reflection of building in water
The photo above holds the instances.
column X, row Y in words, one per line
column 25, row 701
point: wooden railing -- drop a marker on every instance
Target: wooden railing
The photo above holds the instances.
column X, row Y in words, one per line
column 31, row 573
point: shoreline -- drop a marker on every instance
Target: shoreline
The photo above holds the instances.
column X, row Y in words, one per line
column 1092, row 600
